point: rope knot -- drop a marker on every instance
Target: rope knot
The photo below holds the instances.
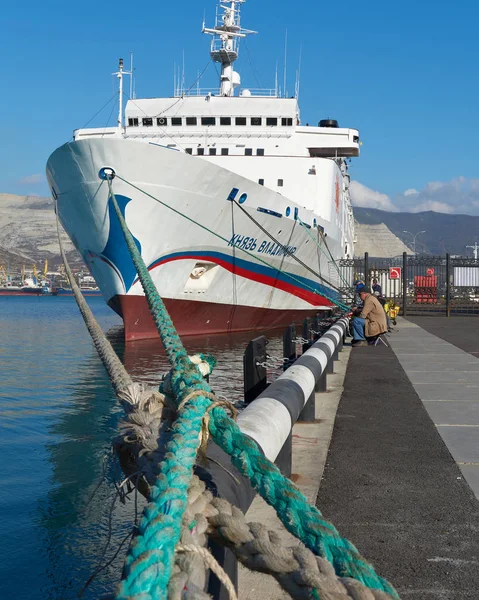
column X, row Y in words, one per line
column 205, row 425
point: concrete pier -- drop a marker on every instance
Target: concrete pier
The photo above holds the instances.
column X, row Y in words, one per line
column 401, row 476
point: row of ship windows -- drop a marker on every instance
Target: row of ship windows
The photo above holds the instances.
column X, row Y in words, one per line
column 208, row 121
column 224, row 151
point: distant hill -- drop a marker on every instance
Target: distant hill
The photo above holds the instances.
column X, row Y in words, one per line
column 28, row 234
column 444, row 233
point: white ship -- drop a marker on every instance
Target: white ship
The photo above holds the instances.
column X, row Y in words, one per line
column 239, row 210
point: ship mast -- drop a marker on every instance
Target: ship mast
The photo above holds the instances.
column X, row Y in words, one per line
column 225, row 44
column 119, row 74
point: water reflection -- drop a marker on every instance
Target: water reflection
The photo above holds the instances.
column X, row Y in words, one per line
column 145, row 360
column 58, row 416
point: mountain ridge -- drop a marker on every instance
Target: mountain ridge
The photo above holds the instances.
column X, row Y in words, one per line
column 444, row 232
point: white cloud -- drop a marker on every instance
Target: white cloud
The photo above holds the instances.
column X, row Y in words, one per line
column 368, row 198
column 457, row 196
column 32, row 179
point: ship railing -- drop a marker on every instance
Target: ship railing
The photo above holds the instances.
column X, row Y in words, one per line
column 257, row 92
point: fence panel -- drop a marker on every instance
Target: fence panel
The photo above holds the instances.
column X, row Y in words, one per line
column 434, row 284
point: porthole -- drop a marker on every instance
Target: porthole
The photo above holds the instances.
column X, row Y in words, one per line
column 243, row 198
column 288, row 211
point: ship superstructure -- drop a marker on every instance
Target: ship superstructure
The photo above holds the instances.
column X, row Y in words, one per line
column 239, row 209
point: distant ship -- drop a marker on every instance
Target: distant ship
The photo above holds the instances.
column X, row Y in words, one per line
column 30, row 287
column 239, row 210
column 86, row 291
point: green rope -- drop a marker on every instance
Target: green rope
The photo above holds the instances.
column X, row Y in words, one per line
column 149, row 561
column 254, row 256
column 305, row 226
column 150, row 558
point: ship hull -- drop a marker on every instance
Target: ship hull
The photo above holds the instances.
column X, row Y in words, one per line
column 24, row 292
column 201, row 318
column 218, row 267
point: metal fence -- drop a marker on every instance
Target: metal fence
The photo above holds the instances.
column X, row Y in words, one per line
column 420, row 284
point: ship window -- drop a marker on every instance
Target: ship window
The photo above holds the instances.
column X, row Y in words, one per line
column 176, row 121
column 355, row 139
column 147, row 122
column 225, row 121
column 225, row 151
column 240, row 121
column 248, row 151
column 191, row 120
column 261, row 181
column 212, row 151
column 256, row 121
column 133, row 121
column 260, row 152
column 161, row 121
column 280, row 183
column 189, row 150
column 201, row 151
column 208, row 120
column 271, row 121
column 286, row 122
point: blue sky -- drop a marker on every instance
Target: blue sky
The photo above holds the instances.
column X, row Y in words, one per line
column 404, row 73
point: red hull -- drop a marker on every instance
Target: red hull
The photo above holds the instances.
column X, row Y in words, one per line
column 200, row 318
column 21, row 293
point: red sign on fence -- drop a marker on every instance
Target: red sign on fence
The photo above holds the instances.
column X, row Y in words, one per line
column 430, row 271
column 394, row 272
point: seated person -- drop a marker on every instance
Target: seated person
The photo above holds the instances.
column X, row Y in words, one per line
column 370, row 320
column 377, row 289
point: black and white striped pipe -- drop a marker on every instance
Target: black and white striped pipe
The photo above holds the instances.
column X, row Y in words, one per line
column 270, row 418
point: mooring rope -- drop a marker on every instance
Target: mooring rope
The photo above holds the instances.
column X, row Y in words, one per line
column 299, row 572
column 149, row 562
column 118, row 376
column 306, row 228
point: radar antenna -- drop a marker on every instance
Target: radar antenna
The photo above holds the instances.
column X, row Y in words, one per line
column 225, row 43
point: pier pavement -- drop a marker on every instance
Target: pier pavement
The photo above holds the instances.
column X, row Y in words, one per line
column 406, row 439
column 400, row 478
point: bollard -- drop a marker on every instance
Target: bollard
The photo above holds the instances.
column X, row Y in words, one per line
column 316, row 335
column 289, row 346
column 254, row 374
column 270, row 418
column 307, row 335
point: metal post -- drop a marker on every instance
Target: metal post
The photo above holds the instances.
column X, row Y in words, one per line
column 330, row 365
column 308, row 414
column 284, row 460
column 448, row 285
column 404, row 283
column 366, row 268
column 254, row 374
column 315, row 336
column 306, row 335
column 321, row 384
column 289, row 347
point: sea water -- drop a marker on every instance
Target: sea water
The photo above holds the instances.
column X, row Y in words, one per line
column 61, row 518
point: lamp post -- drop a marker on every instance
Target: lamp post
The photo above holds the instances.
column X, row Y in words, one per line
column 414, row 236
